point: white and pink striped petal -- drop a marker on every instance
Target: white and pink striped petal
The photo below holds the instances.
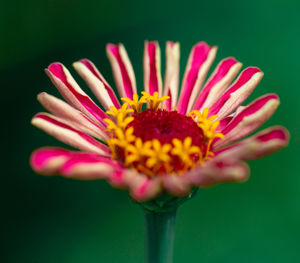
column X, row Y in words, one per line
column 48, row 160
column 71, row 164
column 263, row 143
column 66, row 112
column 64, row 132
column 102, row 90
column 199, row 62
column 237, row 93
column 248, row 119
column 89, row 166
column 224, row 122
column 122, row 70
column 172, row 74
column 217, row 83
column 143, row 188
column 71, row 91
column 176, row 185
column 140, row 186
column 219, row 170
column 152, row 73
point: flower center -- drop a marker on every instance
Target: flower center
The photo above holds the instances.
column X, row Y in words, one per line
column 165, row 126
column 157, row 141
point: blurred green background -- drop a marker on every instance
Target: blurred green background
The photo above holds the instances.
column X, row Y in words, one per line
column 58, row 220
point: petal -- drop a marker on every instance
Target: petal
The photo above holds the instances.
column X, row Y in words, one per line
column 199, row 62
column 217, row 83
column 249, row 119
column 140, row 186
column 171, row 74
column 218, row 171
column 143, row 188
column 122, row 70
column 71, row 164
column 152, row 75
column 59, row 129
column 176, row 185
column 102, row 90
column 237, row 93
column 89, row 166
column 120, row 178
column 263, row 143
column 48, row 160
column 63, row 110
column 71, row 91
column 224, row 122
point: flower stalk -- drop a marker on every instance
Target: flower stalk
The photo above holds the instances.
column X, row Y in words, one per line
column 160, row 214
column 160, row 228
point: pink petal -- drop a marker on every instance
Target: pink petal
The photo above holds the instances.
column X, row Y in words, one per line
column 48, row 160
column 120, row 178
column 199, row 62
column 171, row 74
column 87, row 166
column 152, row 75
column 63, row 110
column 103, row 91
column 70, row 90
column 122, row 70
column 265, row 142
column 59, row 129
column 124, row 178
column 176, row 185
column 224, row 122
column 71, row 164
column 217, row 83
column 218, row 171
column 144, row 188
column 249, row 119
column 140, row 186
column 237, row 93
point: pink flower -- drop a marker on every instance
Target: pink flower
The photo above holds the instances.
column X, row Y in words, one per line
column 162, row 141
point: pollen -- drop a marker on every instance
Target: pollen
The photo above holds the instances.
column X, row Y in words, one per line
column 155, row 141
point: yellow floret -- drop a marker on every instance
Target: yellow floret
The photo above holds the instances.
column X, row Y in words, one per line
column 184, row 150
column 208, row 125
column 158, row 154
column 136, row 103
column 123, row 110
column 154, row 100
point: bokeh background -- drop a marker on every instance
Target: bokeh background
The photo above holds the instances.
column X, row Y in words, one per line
column 46, row 220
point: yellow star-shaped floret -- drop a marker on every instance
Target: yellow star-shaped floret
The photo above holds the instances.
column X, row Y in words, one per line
column 184, row 150
column 123, row 139
column 208, row 125
column 121, row 122
column 136, row 103
column 135, row 152
column 154, row 100
column 123, row 110
column 158, row 154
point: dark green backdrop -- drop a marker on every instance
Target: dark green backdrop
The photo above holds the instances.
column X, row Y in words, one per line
column 57, row 220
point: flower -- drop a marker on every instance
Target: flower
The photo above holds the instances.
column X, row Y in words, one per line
column 161, row 140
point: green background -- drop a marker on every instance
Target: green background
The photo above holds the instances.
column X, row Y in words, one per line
column 59, row 220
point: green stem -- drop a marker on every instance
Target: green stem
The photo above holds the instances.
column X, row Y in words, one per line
column 159, row 236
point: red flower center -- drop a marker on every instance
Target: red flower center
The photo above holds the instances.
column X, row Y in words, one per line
column 165, row 126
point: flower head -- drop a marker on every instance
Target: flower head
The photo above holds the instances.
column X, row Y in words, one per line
column 160, row 140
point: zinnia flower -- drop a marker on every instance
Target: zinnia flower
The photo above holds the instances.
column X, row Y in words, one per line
column 162, row 140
